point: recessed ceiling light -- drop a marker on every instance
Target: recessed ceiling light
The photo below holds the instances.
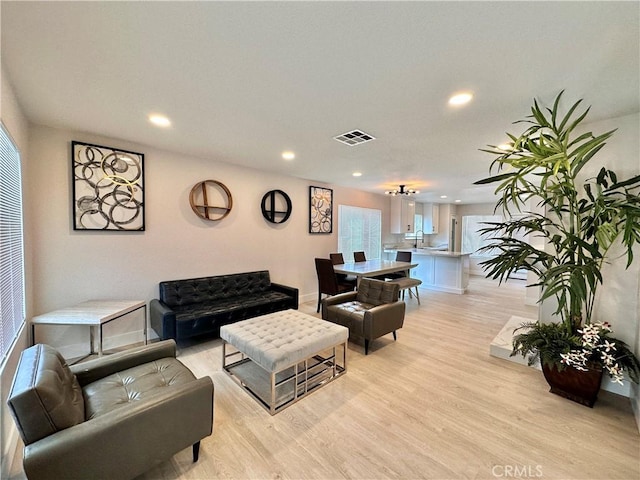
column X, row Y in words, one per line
column 505, row 147
column 443, row 196
column 460, row 98
column 159, row 120
column 357, row 174
column 457, row 201
column 288, row 155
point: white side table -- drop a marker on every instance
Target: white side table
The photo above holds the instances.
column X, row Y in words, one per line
column 94, row 313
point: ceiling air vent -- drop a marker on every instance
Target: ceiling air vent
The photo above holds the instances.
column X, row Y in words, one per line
column 354, row 137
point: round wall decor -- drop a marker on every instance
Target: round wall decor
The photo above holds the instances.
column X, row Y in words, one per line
column 270, row 203
column 203, row 197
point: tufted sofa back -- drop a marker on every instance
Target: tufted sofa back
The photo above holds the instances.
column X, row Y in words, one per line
column 206, row 289
column 376, row 292
column 45, row 396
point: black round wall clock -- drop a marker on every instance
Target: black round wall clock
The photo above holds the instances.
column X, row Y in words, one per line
column 271, row 201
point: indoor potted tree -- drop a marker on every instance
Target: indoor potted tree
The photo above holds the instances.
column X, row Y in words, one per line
column 583, row 220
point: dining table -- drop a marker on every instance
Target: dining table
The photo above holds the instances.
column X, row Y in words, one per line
column 372, row 268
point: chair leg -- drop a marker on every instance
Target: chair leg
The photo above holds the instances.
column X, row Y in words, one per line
column 417, row 296
column 395, row 337
column 319, row 298
column 366, row 346
column 196, row 451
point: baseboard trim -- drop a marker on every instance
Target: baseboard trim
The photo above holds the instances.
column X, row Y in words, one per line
column 309, row 297
column 635, row 403
column 111, row 342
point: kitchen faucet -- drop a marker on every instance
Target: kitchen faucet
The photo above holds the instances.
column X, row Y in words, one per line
column 416, row 245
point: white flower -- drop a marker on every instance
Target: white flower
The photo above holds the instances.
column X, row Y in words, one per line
column 593, row 344
column 615, row 369
column 608, row 346
column 607, row 359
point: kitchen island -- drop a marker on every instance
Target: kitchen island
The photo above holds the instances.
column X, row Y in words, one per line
column 439, row 270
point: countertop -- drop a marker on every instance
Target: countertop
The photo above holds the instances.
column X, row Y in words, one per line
column 427, row 251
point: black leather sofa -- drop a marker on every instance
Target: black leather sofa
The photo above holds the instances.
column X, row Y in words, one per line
column 198, row 306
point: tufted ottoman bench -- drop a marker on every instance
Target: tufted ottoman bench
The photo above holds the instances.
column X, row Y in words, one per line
column 281, row 357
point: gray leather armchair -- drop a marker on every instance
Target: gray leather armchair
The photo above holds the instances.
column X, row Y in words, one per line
column 113, row 417
column 369, row 313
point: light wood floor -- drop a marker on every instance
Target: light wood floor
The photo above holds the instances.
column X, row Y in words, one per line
column 432, row 405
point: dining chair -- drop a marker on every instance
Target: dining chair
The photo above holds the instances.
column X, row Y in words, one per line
column 400, row 257
column 328, row 282
column 403, row 256
column 359, row 257
column 338, row 259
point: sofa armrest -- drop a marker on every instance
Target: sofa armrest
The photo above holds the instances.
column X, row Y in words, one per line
column 291, row 291
column 383, row 319
column 155, row 429
column 336, row 299
column 92, row 370
column 162, row 319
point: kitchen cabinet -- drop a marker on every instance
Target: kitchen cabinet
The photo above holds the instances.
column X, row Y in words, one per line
column 430, row 217
column 441, row 271
column 425, row 269
column 402, row 215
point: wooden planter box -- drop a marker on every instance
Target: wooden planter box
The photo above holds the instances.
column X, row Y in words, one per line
column 577, row 385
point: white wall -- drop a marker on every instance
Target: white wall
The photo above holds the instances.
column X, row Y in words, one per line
column 618, row 297
column 73, row 266
column 618, row 300
column 473, row 209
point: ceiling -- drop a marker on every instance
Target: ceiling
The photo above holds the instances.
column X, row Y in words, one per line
column 244, row 81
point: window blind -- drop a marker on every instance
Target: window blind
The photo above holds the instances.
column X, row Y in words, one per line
column 359, row 229
column 12, row 309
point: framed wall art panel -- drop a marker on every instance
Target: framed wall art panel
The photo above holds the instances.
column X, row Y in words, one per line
column 108, row 188
column 320, row 210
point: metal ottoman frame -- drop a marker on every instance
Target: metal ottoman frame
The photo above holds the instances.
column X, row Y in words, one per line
column 307, row 375
column 278, row 388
